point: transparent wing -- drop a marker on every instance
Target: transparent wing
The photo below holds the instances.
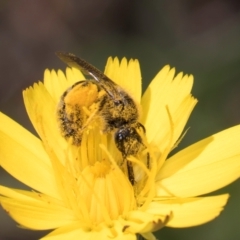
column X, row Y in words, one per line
column 102, row 80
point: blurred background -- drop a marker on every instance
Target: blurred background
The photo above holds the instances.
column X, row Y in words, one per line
column 201, row 37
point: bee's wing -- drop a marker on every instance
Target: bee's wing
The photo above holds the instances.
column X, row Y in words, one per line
column 107, row 84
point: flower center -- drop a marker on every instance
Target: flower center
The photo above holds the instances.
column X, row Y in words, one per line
column 107, row 194
column 103, row 190
column 100, row 169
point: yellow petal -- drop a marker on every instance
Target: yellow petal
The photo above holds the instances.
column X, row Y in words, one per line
column 167, row 99
column 41, row 109
column 74, row 75
column 37, row 214
column 190, row 211
column 144, row 222
column 24, row 195
column 75, row 231
column 57, row 83
column 202, row 167
column 23, row 156
column 127, row 75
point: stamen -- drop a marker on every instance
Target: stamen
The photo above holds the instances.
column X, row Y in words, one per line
column 128, row 203
column 148, row 192
column 110, row 158
column 141, row 164
column 179, row 140
column 104, row 211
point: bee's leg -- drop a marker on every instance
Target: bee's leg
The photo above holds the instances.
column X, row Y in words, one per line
column 139, row 125
column 128, row 142
column 148, row 160
column 130, row 172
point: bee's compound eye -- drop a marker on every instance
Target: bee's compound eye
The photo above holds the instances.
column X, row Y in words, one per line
column 122, row 134
column 128, row 141
column 118, row 102
column 121, row 140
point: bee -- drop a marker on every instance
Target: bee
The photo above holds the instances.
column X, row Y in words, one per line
column 107, row 101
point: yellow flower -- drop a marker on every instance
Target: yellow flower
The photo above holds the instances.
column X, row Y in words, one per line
column 84, row 192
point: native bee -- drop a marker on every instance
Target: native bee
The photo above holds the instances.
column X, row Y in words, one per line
column 110, row 103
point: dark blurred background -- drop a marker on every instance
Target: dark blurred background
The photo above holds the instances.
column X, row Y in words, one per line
column 198, row 37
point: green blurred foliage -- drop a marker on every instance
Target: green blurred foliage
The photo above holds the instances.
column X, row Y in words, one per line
column 197, row 37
